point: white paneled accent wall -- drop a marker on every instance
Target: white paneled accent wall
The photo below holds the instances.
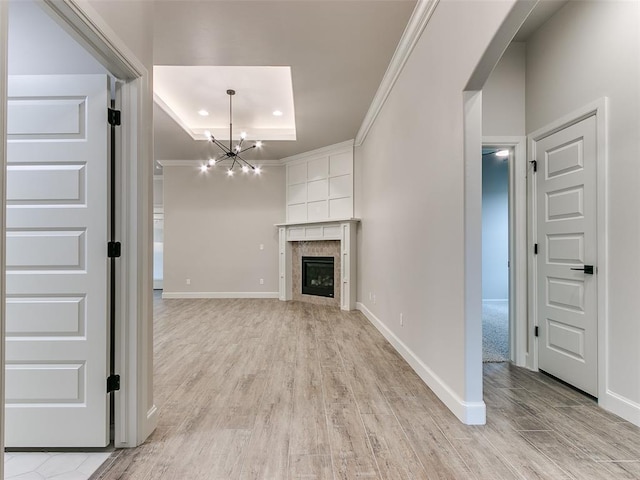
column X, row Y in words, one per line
column 320, row 184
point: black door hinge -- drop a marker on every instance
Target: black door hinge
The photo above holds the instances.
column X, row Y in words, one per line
column 535, row 249
column 535, row 331
column 113, row 383
column 114, row 249
column 532, row 162
column 113, row 117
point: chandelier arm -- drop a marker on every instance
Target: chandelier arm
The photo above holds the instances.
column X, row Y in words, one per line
column 220, row 145
column 233, row 164
column 248, row 148
column 252, row 167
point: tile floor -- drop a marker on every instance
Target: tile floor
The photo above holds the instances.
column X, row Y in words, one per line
column 58, row 466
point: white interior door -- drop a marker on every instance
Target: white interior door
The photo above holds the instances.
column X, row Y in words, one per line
column 57, row 335
column 566, row 233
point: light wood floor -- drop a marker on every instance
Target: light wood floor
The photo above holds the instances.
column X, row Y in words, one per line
column 262, row 389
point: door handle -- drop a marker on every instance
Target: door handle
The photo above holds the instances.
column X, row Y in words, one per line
column 588, row 269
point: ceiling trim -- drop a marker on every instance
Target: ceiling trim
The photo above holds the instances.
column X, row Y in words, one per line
column 198, row 163
column 331, row 149
column 417, row 23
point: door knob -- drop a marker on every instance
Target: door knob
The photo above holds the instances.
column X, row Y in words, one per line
column 588, row 269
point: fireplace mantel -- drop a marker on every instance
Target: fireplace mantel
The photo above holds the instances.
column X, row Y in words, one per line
column 342, row 230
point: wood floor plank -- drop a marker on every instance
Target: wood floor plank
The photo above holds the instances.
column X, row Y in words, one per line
column 568, row 456
column 310, row 467
column 263, row 389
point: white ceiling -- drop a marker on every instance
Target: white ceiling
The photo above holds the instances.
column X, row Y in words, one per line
column 338, row 52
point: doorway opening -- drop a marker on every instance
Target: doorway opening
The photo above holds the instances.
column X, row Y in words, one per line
column 495, row 254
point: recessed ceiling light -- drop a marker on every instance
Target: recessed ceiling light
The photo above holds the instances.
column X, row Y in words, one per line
column 203, row 113
column 277, row 113
column 502, row 153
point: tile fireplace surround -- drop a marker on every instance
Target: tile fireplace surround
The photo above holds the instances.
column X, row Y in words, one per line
column 342, row 233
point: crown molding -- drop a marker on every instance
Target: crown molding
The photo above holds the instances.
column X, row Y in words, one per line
column 198, row 163
column 319, row 152
column 417, row 23
column 85, row 25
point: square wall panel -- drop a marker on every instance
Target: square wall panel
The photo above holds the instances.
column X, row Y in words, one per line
column 340, row 186
column 317, row 210
column 297, row 213
column 341, row 208
column 318, row 169
column 341, row 164
column 297, row 173
column 317, row 190
column 297, row 194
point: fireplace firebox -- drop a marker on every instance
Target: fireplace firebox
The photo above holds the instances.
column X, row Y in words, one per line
column 317, row 276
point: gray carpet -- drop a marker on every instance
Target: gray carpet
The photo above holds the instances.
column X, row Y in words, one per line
column 495, row 331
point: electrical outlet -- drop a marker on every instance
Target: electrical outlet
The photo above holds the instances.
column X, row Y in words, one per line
column 370, row 296
column 262, row 246
column 401, row 320
column 188, row 281
column 262, row 281
column 374, row 299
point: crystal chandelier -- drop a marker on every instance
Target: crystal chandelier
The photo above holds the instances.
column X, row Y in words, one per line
column 231, row 152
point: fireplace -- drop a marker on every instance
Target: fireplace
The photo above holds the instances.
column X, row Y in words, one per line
column 317, row 276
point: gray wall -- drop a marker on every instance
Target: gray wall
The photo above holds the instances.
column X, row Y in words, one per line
column 495, row 228
column 503, row 95
column 589, row 50
column 411, row 247
column 213, row 229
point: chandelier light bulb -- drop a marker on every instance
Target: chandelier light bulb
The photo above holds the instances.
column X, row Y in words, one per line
column 203, row 168
column 257, row 170
column 230, row 173
column 207, row 134
column 258, row 144
column 238, row 148
column 211, row 162
column 243, row 135
column 245, row 169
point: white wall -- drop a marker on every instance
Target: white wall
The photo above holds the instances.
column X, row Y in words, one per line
column 214, row 226
column 586, row 51
column 411, row 200
column 503, row 95
column 38, row 45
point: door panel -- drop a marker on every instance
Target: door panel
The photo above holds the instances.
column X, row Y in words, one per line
column 57, row 348
column 566, row 230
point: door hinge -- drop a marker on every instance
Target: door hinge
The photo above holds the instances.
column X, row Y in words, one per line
column 113, row 117
column 532, row 162
column 535, row 331
column 535, row 249
column 113, row 383
column 114, row 249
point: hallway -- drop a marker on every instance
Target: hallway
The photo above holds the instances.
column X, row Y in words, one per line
column 262, row 389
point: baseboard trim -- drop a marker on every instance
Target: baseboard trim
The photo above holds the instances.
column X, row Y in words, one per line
column 469, row 413
column 621, row 406
column 172, row 295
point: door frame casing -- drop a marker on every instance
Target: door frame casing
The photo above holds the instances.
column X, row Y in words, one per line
column 518, row 347
column 599, row 109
